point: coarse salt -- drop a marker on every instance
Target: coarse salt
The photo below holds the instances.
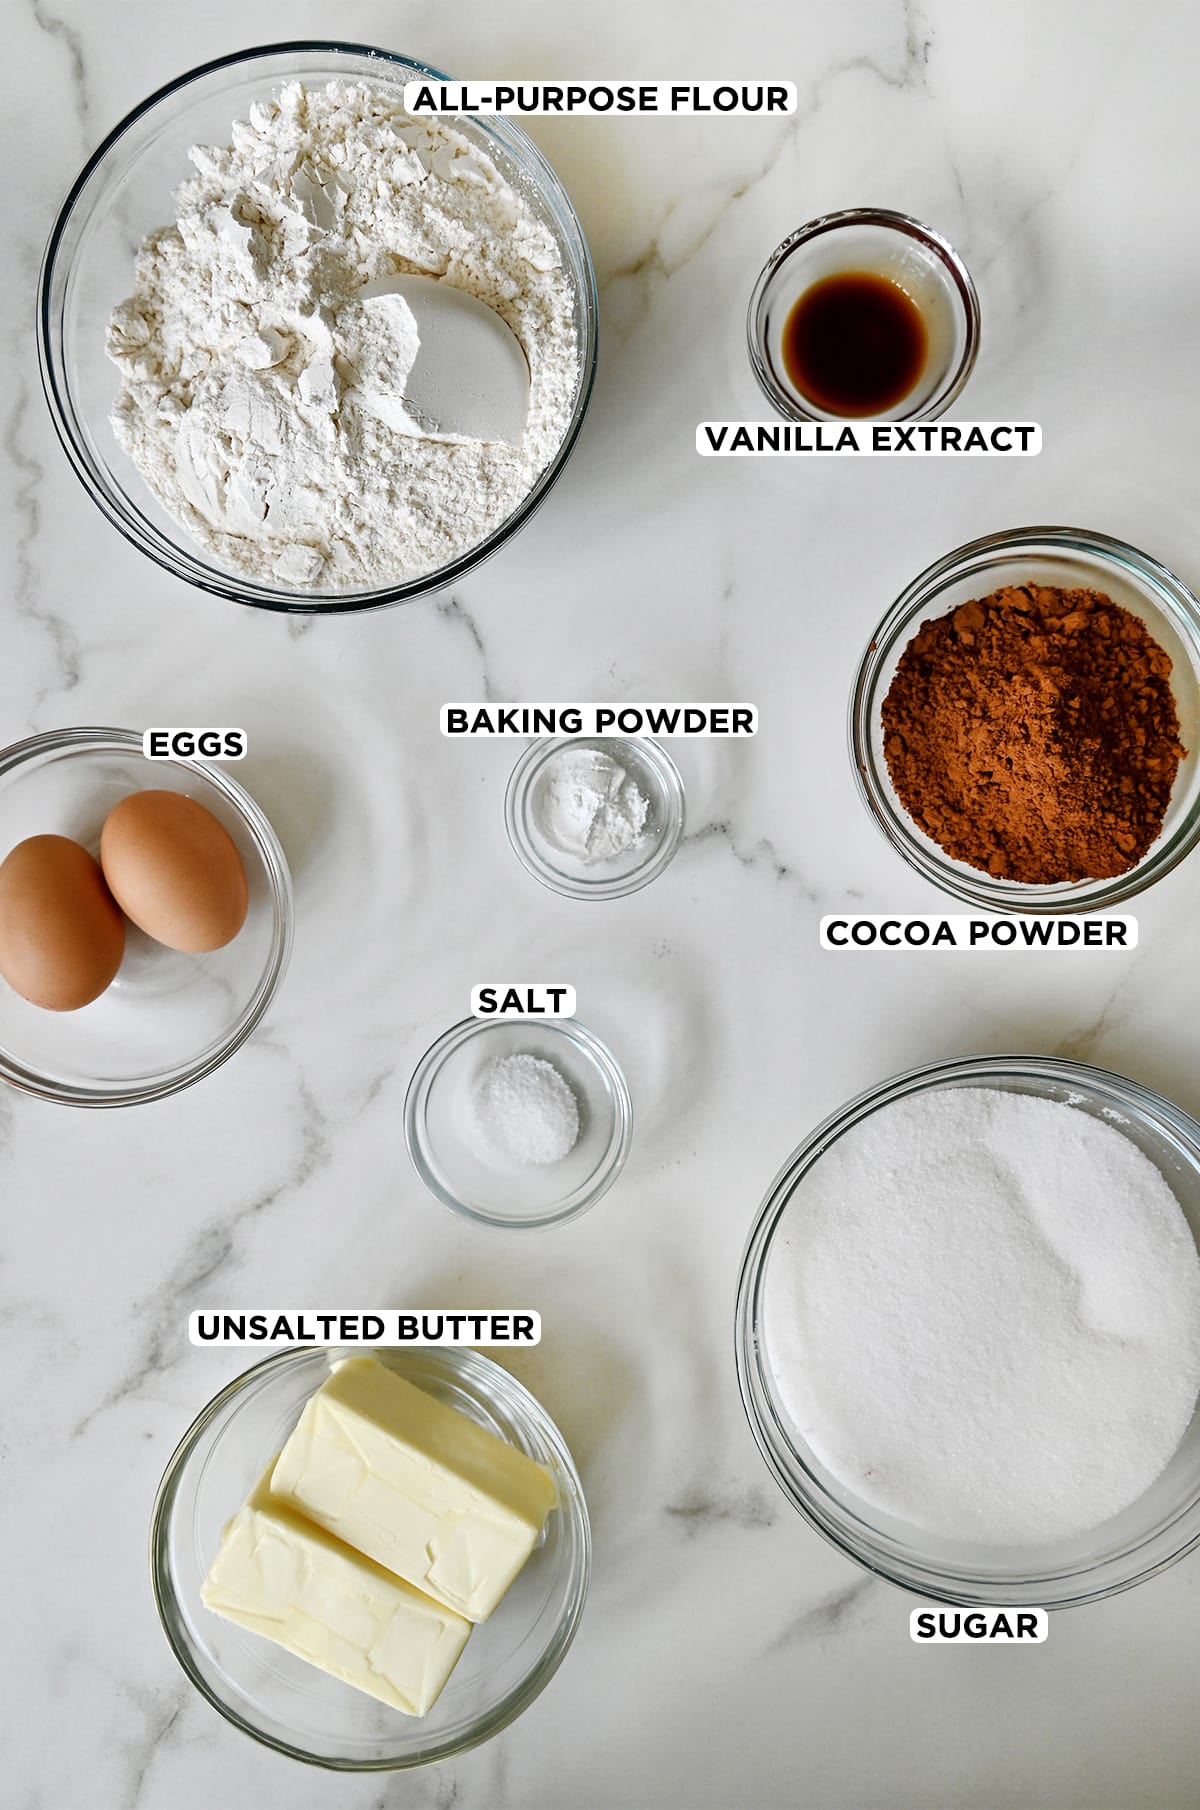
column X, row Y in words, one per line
column 528, row 1109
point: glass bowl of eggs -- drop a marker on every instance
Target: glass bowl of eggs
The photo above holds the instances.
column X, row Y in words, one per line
column 145, row 918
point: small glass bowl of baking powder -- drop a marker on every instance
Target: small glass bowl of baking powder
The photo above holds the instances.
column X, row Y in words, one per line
column 878, row 243
column 126, row 191
column 455, row 1151
column 595, row 817
column 1069, row 559
column 1160, row 1527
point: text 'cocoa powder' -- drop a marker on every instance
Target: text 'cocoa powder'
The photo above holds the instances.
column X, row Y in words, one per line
column 1033, row 734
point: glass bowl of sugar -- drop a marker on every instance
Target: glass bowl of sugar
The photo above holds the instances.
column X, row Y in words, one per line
column 968, row 1332
column 518, row 1122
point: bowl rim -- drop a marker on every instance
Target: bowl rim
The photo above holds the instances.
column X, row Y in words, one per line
column 255, row 821
column 456, row 1359
column 577, row 1204
column 211, row 579
column 872, row 1550
column 791, row 407
column 658, row 857
column 1177, row 604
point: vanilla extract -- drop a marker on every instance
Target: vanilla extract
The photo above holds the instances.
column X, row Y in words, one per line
column 855, row 343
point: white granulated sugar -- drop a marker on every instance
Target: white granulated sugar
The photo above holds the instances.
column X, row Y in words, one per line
column 982, row 1313
column 241, row 347
column 590, row 806
column 528, row 1109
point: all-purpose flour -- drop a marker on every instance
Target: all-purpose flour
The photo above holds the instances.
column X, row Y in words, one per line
column 983, row 1314
column 250, row 369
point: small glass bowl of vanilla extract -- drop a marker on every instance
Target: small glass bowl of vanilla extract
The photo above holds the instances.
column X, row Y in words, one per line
column 863, row 315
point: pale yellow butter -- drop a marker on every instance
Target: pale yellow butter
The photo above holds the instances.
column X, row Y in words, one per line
column 280, row 1576
column 416, row 1485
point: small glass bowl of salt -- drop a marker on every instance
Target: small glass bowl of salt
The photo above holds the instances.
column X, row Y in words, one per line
column 518, row 1123
column 595, row 816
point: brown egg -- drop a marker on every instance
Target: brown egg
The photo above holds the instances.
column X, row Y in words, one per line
column 174, row 870
column 61, row 934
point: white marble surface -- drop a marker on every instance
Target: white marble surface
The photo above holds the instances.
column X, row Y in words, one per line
column 727, row 1656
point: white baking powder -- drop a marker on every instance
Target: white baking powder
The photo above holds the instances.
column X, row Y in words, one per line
column 982, row 1312
column 590, row 806
column 251, row 368
column 528, row 1109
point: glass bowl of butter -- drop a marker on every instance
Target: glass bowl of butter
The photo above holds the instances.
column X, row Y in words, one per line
column 206, row 1556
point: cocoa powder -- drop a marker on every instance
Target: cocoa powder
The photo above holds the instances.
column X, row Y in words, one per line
column 1033, row 733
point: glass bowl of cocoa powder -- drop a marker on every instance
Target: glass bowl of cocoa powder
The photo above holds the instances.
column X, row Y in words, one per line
column 1025, row 722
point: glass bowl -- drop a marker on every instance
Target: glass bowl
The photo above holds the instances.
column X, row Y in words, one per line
column 1151, row 1534
column 168, row 1019
column 658, row 778
column 450, row 1152
column 126, row 190
column 1067, row 558
column 914, row 257
column 290, row 1705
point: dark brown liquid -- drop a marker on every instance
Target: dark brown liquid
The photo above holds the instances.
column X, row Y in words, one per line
column 854, row 344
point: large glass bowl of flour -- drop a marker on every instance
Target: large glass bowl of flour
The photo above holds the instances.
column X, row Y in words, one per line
column 936, row 1526
column 126, row 191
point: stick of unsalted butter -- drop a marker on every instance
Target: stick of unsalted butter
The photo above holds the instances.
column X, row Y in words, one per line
column 416, row 1485
column 280, row 1576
